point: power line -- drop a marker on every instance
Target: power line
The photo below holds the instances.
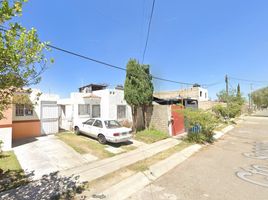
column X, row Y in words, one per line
column 107, row 64
column 148, row 31
column 247, row 80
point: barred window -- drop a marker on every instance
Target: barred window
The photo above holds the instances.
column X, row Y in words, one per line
column 84, row 109
column 121, row 111
column 95, row 111
column 24, row 110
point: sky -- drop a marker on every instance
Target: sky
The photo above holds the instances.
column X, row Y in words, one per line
column 190, row 41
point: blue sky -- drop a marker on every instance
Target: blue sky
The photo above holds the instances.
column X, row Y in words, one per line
column 190, row 41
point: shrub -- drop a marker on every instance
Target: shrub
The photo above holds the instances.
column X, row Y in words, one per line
column 220, row 111
column 232, row 110
column 1, row 143
column 199, row 118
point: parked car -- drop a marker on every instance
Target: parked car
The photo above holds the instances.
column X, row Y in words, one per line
column 104, row 130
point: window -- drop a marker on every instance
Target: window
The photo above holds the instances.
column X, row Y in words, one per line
column 90, row 122
column 83, row 109
column 24, row 110
column 112, row 124
column 98, row 123
column 200, row 93
column 28, row 111
column 121, row 112
column 95, row 111
column 205, row 95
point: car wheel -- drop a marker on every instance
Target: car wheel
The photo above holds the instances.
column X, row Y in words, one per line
column 76, row 130
column 101, row 139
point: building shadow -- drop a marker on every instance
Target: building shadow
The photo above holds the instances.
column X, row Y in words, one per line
column 20, row 142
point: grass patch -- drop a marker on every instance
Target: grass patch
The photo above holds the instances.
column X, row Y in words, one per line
column 8, row 161
column 108, row 180
column 144, row 165
column 11, row 174
column 150, row 136
column 83, row 144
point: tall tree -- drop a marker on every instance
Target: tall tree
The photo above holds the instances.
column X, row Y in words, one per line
column 147, row 93
column 22, row 59
column 238, row 92
column 138, row 89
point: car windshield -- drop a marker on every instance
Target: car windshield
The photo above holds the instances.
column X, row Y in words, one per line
column 112, row 124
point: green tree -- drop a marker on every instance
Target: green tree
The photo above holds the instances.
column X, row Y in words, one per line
column 238, row 92
column 147, row 95
column 260, row 97
column 234, row 102
column 138, row 89
column 22, row 59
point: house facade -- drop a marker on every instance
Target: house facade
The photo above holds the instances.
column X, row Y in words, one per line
column 25, row 121
column 197, row 93
column 93, row 101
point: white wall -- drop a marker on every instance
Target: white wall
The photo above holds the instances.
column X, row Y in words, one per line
column 204, row 96
column 71, row 117
column 110, row 99
column 6, row 137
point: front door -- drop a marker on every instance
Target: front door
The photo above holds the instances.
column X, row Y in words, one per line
column 178, row 120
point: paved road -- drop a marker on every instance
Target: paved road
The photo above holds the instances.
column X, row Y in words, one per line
column 234, row 168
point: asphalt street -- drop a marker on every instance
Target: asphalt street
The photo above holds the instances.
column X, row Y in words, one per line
column 233, row 168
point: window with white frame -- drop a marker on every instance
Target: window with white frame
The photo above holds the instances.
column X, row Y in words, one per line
column 24, row 110
column 121, row 111
column 95, row 111
column 84, row 109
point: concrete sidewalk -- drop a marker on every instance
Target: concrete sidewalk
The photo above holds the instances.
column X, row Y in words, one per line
column 140, row 180
column 92, row 171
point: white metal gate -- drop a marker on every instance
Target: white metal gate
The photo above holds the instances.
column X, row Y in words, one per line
column 49, row 117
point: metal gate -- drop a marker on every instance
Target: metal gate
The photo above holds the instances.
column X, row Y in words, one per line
column 178, row 120
column 49, row 117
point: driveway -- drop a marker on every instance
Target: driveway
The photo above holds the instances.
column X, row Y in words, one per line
column 234, row 168
column 43, row 155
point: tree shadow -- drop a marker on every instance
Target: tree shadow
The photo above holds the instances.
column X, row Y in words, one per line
column 3, row 155
column 16, row 185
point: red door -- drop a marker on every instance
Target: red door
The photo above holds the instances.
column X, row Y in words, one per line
column 178, row 120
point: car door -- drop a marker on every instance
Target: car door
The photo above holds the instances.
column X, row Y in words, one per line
column 87, row 126
column 97, row 127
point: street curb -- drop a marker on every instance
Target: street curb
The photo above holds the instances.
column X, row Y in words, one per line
column 218, row 134
column 139, row 180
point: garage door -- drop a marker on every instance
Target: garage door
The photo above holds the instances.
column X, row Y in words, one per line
column 49, row 117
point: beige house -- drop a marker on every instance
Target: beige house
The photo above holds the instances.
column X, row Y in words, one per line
column 198, row 93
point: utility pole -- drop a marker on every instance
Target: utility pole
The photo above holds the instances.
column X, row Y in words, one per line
column 227, row 85
column 250, row 98
column 227, row 94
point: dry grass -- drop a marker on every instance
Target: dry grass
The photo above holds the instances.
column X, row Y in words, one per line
column 83, row 144
column 150, row 136
column 110, row 179
column 146, row 163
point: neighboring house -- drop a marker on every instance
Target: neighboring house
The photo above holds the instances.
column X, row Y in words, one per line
column 93, row 101
column 196, row 92
column 25, row 121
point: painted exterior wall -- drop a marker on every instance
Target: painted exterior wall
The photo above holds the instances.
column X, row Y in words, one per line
column 110, row 99
column 201, row 94
column 69, row 109
column 26, row 129
column 6, row 130
column 30, row 126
